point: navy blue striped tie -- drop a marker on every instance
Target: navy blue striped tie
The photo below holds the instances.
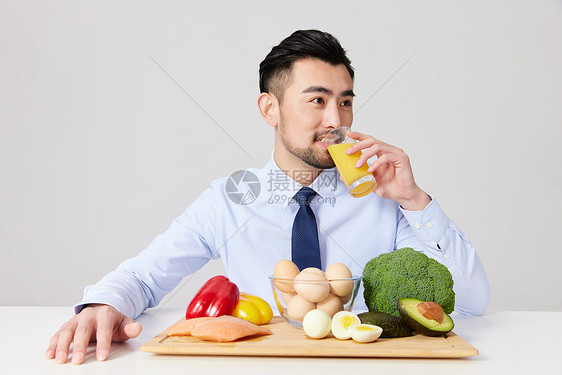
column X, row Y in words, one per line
column 304, row 239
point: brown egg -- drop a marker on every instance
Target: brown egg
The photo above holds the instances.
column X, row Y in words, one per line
column 298, row 307
column 340, row 271
column 285, row 269
column 287, row 297
column 314, row 269
column 332, row 304
column 311, row 286
column 345, row 299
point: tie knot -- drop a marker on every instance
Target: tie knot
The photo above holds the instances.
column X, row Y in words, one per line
column 304, row 195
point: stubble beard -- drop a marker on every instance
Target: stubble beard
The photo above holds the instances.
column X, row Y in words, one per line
column 320, row 159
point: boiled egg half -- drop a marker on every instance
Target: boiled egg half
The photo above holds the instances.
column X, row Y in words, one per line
column 341, row 322
column 365, row 332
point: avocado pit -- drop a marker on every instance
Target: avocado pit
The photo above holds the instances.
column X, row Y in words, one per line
column 425, row 317
column 431, row 310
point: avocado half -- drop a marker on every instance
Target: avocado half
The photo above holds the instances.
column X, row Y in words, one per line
column 407, row 307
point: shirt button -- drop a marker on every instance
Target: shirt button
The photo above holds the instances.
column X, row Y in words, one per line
column 417, row 225
column 430, row 224
column 446, row 256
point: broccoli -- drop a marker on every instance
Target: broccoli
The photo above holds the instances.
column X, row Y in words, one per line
column 406, row 273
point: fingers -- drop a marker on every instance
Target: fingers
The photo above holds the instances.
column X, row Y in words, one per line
column 391, row 169
column 366, row 155
column 398, row 158
column 82, row 336
column 113, row 326
column 126, row 329
column 384, row 159
column 104, row 333
column 132, row 329
column 363, row 141
column 59, row 344
column 358, row 136
column 103, row 322
column 369, row 146
column 51, row 349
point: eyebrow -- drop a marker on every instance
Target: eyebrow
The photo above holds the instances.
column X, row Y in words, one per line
column 324, row 90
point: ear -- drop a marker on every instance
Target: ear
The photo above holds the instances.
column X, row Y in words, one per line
column 269, row 108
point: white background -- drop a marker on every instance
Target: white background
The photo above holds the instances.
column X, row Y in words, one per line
column 100, row 148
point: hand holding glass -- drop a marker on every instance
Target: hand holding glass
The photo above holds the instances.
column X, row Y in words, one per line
column 359, row 181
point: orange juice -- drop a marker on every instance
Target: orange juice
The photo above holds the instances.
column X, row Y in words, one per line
column 359, row 181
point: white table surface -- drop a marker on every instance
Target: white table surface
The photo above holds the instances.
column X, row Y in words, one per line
column 508, row 343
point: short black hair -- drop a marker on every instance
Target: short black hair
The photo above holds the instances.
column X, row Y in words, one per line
column 276, row 68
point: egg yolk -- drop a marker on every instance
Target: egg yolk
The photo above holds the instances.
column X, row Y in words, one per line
column 347, row 321
column 365, row 328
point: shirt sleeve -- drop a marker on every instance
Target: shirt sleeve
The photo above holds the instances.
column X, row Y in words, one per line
column 432, row 232
column 142, row 281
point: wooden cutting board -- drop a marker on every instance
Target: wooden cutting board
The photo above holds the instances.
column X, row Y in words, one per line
column 287, row 341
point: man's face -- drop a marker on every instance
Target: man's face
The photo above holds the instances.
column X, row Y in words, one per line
column 317, row 99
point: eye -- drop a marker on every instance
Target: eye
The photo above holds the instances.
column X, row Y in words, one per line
column 318, row 100
column 346, row 103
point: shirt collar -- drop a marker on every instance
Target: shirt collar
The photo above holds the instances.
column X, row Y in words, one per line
column 281, row 188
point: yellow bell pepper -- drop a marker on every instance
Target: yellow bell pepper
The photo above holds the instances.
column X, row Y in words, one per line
column 253, row 309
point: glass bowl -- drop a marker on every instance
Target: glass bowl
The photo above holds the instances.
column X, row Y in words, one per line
column 341, row 296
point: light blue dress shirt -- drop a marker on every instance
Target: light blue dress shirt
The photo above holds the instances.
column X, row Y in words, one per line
column 246, row 221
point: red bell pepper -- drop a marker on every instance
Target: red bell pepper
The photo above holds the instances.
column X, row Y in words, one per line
column 218, row 296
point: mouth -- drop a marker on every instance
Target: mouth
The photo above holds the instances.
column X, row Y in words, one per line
column 320, row 140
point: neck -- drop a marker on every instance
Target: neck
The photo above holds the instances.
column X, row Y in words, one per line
column 295, row 168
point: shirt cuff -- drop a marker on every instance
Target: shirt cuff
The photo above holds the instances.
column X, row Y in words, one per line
column 115, row 302
column 430, row 224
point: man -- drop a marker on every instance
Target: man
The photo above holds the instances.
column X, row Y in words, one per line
column 306, row 88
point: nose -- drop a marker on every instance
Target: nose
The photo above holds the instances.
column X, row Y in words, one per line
column 332, row 116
